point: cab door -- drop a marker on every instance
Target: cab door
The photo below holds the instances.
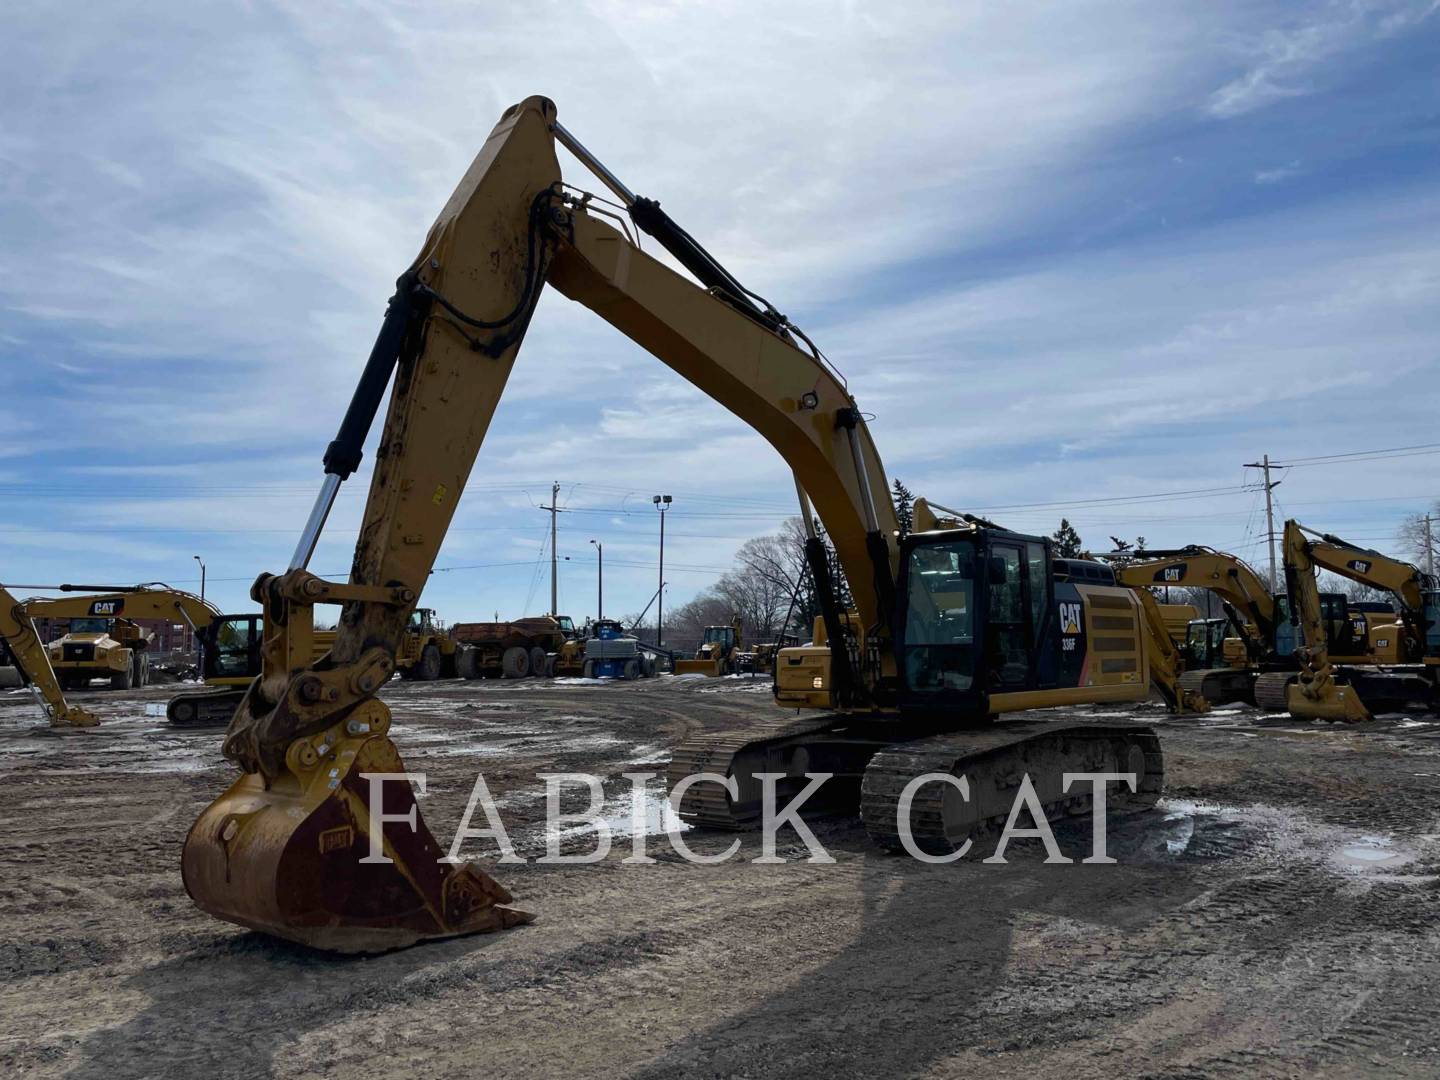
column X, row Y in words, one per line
column 1009, row 636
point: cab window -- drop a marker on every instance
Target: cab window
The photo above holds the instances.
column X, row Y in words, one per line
column 939, row 645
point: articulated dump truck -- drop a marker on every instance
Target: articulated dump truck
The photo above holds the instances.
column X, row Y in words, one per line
column 511, row 650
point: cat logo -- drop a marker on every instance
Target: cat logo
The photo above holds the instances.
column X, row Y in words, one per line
column 1360, row 566
column 107, row 607
column 1169, row 575
column 1070, row 616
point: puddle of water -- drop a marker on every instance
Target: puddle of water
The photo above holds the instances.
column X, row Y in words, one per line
column 1372, row 853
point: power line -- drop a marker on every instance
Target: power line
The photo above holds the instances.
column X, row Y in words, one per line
column 1419, row 450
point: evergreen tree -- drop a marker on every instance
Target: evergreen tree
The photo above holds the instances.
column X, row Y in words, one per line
column 904, row 503
column 1068, row 544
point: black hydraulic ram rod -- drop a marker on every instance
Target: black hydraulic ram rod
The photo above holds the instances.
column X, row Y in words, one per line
column 342, row 456
column 648, row 216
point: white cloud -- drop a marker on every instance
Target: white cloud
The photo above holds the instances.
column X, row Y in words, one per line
column 1288, row 61
column 1278, row 174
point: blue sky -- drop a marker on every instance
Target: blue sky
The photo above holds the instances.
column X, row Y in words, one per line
column 1074, row 252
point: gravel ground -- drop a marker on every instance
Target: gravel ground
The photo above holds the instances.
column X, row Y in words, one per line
column 1275, row 916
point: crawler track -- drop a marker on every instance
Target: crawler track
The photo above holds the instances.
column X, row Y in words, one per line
column 993, row 761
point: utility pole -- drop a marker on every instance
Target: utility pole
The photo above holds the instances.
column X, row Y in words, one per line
column 555, row 510
column 1264, row 463
column 190, row 631
column 1429, row 548
column 662, row 503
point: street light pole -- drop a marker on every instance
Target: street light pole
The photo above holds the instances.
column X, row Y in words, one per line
column 600, row 580
column 194, row 637
column 662, row 503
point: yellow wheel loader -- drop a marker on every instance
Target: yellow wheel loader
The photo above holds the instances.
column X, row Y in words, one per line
column 718, row 654
column 952, row 627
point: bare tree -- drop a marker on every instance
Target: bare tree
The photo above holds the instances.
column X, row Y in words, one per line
column 1355, row 591
column 1419, row 541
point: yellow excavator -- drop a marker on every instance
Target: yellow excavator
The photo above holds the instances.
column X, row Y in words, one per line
column 951, row 626
column 103, row 640
column 1223, row 659
column 1321, row 689
column 718, row 654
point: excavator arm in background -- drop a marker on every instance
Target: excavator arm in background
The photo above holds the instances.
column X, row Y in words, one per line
column 1167, row 663
column 1315, row 693
column 1410, row 585
column 17, row 627
column 1349, row 692
column 1229, row 577
column 141, row 602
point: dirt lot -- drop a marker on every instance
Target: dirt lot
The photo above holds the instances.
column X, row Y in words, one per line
column 1277, row 916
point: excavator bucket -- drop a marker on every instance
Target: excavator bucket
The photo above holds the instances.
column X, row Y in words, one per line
column 294, row 857
column 1340, row 703
column 73, row 716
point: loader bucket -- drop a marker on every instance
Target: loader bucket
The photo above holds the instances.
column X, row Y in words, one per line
column 697, row 667
column 1340, row 703
column 289, row 858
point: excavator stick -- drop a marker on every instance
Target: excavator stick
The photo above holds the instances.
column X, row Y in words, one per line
column 17, row 629
column 294, row 857
column 290, row 848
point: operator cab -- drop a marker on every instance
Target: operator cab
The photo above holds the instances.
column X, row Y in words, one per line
column 1340, row 632
column 976, row 609
column 230, row 647
column 90, row 625
column 724, row 636
column 422, row 621
column 1432, row 624
column 1205, row 643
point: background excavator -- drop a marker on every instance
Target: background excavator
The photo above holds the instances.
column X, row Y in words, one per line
column 1323, row 690
column 1224, row 658
column 951, row 626
column 103, row 640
